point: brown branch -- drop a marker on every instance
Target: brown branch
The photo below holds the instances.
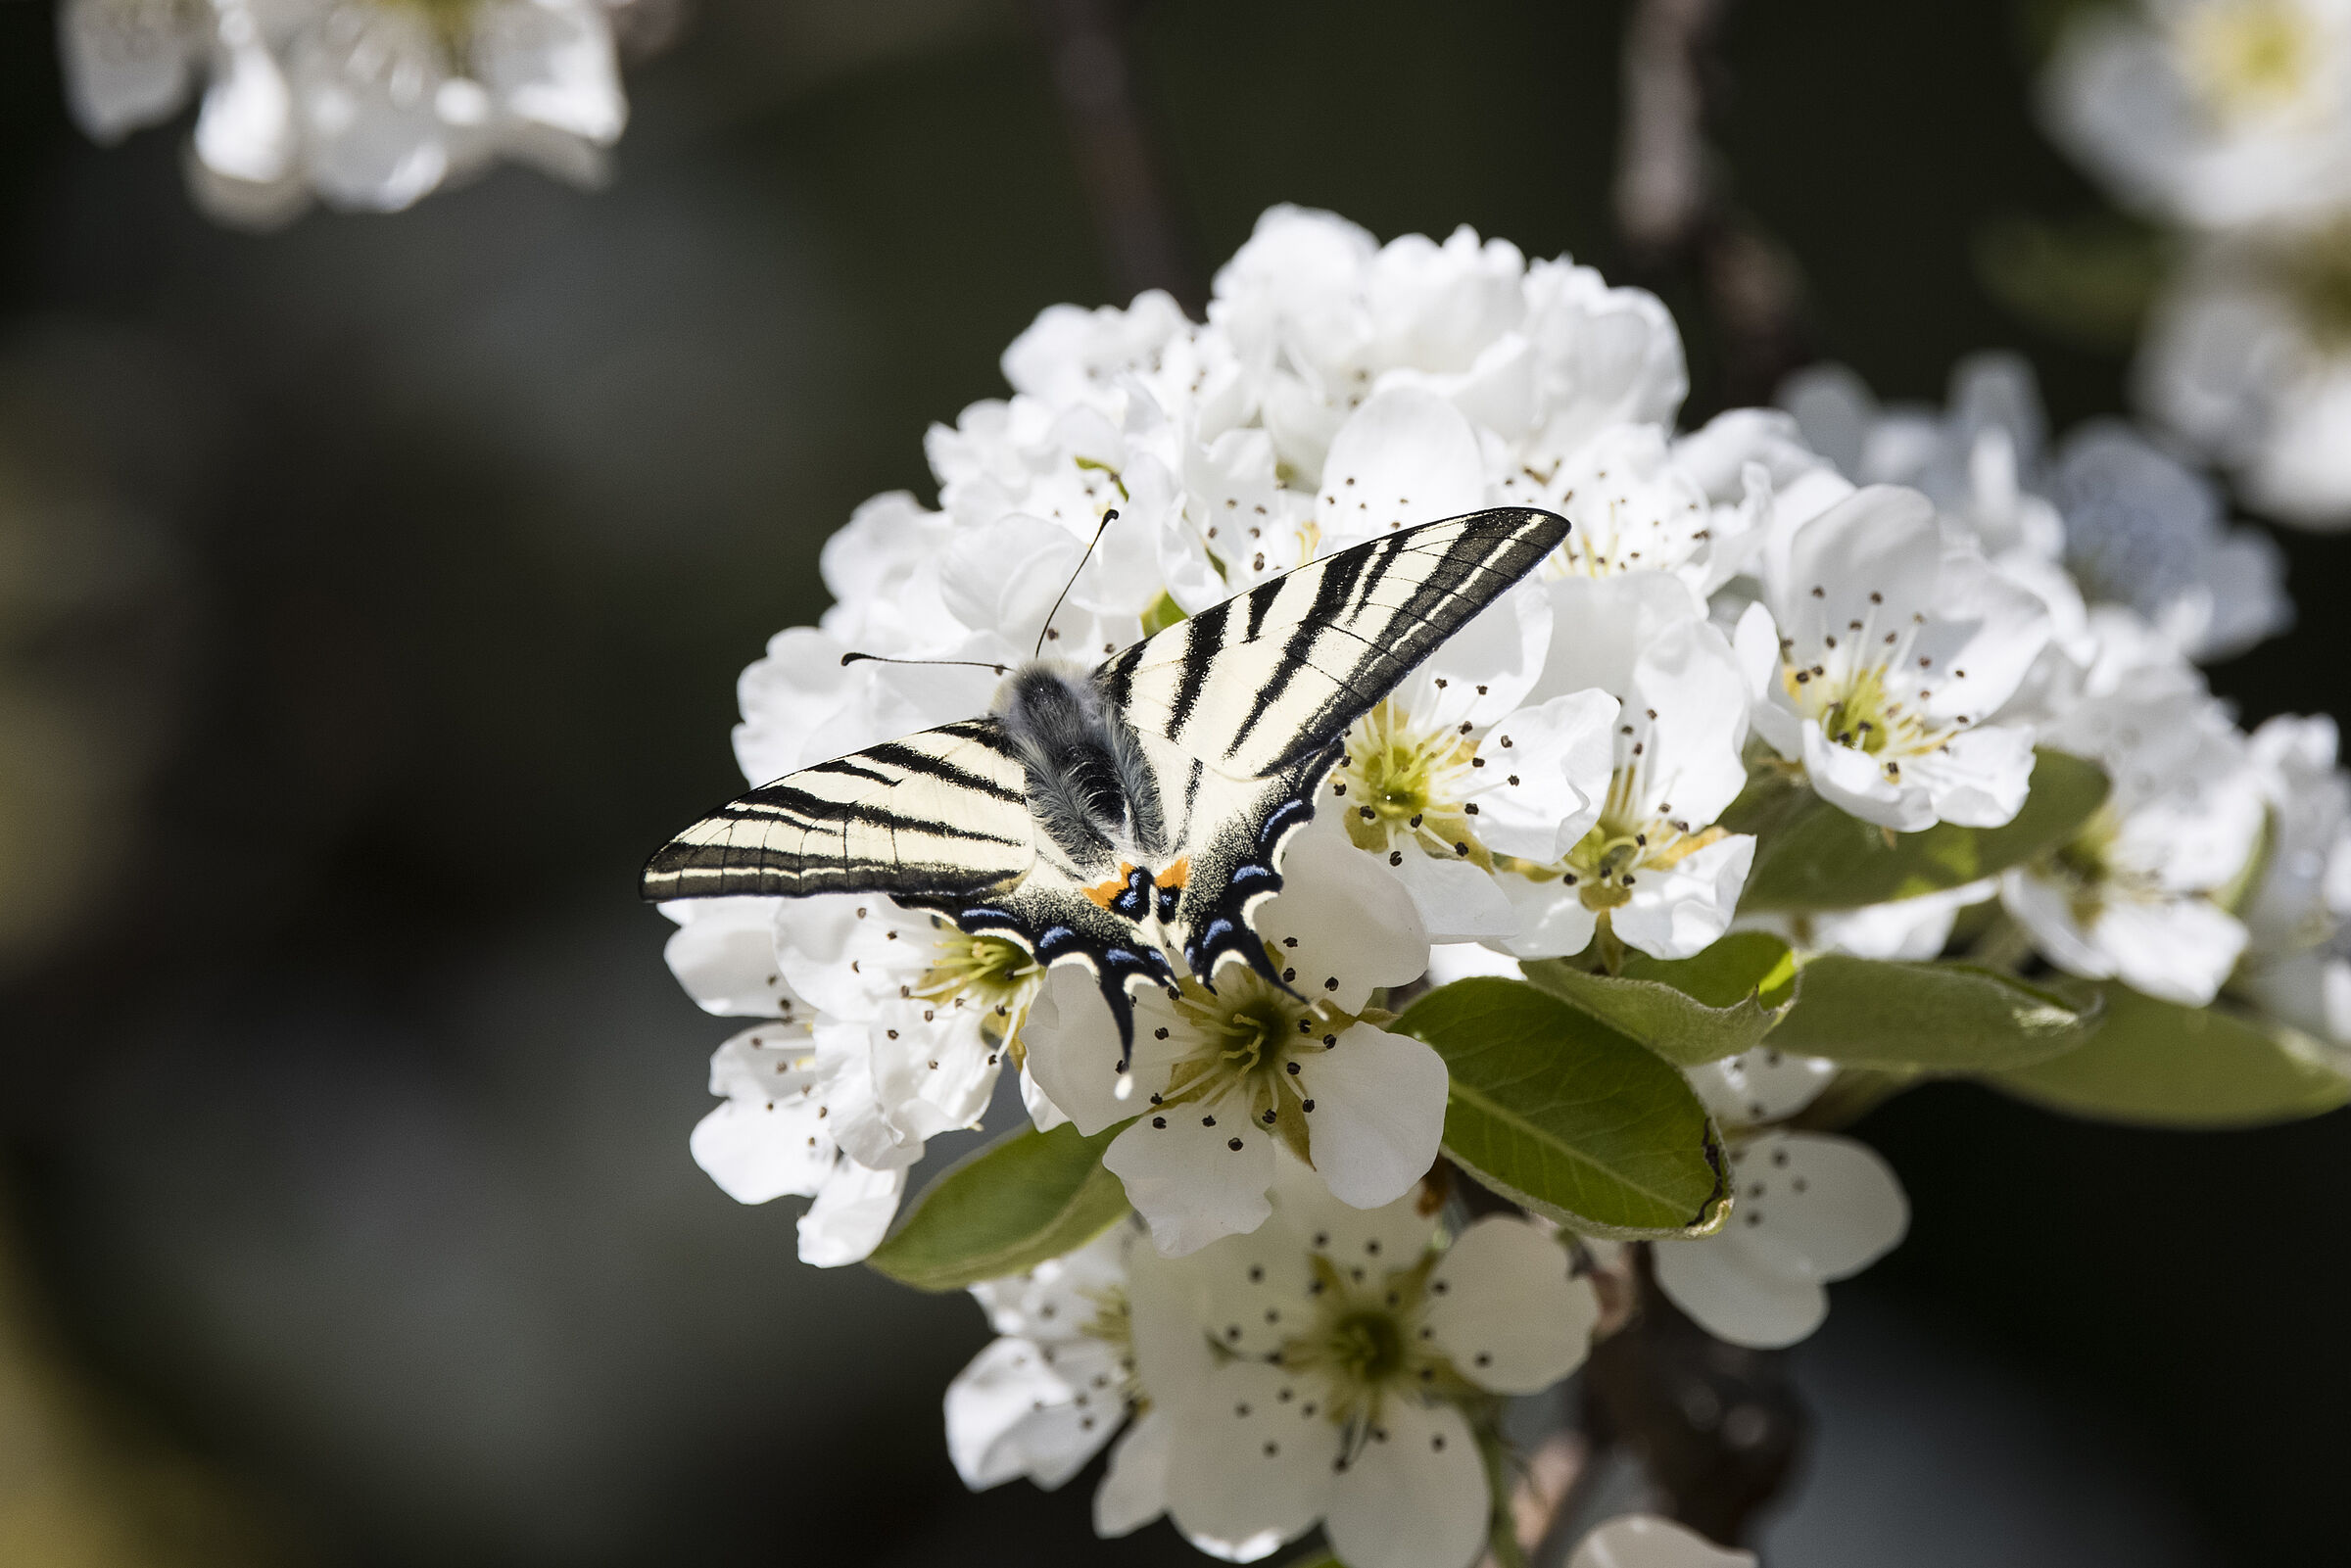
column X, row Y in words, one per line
column 1086, row 42
column 1674, row 207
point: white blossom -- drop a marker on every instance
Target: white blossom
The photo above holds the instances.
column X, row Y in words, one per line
column 369, row 104
column 2244, row 359
column 1220, row 1078
column 2130, row 523
column 1805, row 1208
column 1652, row 862
column 2214, row 114
column 1885, row 654
column 1759, row 1085
column 1355, row 1361
column 2137, row 893
column 1062, row 1382
column 1808, row 1208
column 2296, row 965
column 786, row 1099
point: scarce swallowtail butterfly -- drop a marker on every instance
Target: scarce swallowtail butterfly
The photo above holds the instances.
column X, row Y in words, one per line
column 1110, row 818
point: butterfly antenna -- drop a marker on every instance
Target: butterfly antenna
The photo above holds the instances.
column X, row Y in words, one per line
column 1108, row 517
column 880, row 658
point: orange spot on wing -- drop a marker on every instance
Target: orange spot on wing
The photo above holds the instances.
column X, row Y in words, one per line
column 1103, row 892
column 1177, row 873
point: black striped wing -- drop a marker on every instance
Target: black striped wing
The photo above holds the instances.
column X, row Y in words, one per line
column 937, row 819
column 1274, row 676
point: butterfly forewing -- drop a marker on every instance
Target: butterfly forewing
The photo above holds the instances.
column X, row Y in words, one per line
column 933, row 819
column 1278, row 674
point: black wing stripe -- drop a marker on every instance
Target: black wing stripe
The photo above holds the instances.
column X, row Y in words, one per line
column 1387, row 602
column 906, row 759
column 1332, row 591
column 1204, row 639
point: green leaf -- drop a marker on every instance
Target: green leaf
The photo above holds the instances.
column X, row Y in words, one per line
column 1006, row 1209
column 1937, row 1017
column 1810, row 856
column 1688, row 1010
column 2086, row 282
column 1163, row 613
column 2158, row 1064
column 1555, row 1111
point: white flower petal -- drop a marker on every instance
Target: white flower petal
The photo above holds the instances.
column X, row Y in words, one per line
column 1016, row 1410
column 756, row 1153
column 851, row 1215
column 1456, row 902
column 1679, row 910
column 1247, row 1469
column 723, row 954
column 1134, row 1490
column 1378, row 1113
column 245, row 131
column 1552, row 920
column 552, row 63
column 1505, row 1311
column 1406, row 457
column 1689, row 679
column 1414, row 1495
column 2176, row 950
column 1814, row 1205
column 1851, row 779
column 1186, row 1179
column 1761, row 1085
column 1073, row 1049
column 1809, row 1207
column 1341, row 917
column 1733, row 1300
column 1645, row 1540
column 1546, row 770
column 929, row 1078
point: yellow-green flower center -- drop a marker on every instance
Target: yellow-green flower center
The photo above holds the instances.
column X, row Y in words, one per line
column 1250, row 1040
column 988, row 973
column 1404, row 780
column 1368, row 1344
column 2249, row 57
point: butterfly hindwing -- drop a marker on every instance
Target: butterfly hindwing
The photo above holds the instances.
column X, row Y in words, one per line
column 1278, row 673
column 933, row 819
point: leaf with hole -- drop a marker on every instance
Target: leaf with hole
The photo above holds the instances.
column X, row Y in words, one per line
column 2161, row 1064
column 1932, row 1017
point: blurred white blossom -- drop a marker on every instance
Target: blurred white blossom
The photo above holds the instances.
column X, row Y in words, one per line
column 2128, row 521
column 363, row 104
column 2140, row 892
column 2248, row 358
column 2210, row 114
column 1645, row 1540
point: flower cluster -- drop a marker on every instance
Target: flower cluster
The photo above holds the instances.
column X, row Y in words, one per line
column 1846, row 612
column 2230, row 120
column 1338, row 1366
column 363, row 104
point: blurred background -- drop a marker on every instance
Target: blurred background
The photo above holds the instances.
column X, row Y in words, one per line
column 371, row 596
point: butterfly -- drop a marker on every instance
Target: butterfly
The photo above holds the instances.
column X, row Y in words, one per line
column 1105, row 818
